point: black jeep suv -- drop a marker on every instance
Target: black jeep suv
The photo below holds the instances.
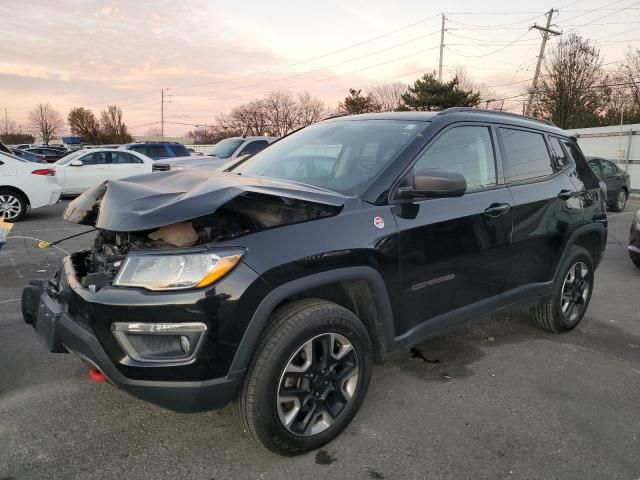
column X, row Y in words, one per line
column 279, row 282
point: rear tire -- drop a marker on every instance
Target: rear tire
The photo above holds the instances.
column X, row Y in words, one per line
column 13, row 205
column 572, row 292
column 620, row 202
column 295, row 397
column 635, row 258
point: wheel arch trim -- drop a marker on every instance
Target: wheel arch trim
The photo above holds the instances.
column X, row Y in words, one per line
column 596, row 227
column 18, row 190
column 260, row 319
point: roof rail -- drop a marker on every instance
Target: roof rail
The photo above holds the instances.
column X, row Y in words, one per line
column 337, row 115
column 494, row 112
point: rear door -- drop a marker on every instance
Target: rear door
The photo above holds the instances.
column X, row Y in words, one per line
column 93, row 170
column 124, row 164
column 547, row 207
column 454, row 252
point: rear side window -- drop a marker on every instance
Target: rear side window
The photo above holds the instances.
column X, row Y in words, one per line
column 179, row 150
column 558, row 158
column 466, row 150
column 525, row 155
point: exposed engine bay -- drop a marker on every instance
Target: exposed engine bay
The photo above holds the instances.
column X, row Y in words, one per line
column 245, row 214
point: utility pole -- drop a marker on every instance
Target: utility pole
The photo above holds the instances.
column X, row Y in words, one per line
column 162, row 113
column 441, row 48
column 547, row 32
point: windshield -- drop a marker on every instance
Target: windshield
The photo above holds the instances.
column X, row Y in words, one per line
column 67, row 158
column 226, row 147
column 343, row 156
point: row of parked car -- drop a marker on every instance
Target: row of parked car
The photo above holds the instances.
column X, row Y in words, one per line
column 58, row 171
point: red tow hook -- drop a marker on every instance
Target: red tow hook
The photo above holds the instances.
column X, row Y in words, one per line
column 97, row 376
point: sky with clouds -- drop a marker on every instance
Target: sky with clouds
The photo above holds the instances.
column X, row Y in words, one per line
column 212, row 55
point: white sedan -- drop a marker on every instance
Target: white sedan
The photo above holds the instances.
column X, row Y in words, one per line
column 83, row 169
column 25, row 184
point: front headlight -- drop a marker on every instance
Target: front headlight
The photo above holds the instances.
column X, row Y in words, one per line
column 175, row 271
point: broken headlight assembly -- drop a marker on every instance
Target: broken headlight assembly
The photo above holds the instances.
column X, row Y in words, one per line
column 175, row 271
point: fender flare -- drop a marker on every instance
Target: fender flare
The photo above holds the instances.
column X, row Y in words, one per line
column 571, row 241
column 260, row 320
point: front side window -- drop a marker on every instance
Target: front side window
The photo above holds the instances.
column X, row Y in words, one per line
column 594, row 165
column 345, row 156
column 97, row 158
column 525, row 154
column 466, row 150
column 608, row 169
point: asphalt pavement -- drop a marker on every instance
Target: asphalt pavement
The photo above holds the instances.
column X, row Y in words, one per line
column 497, row 399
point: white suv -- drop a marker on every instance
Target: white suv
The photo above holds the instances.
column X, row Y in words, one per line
column 25, row 184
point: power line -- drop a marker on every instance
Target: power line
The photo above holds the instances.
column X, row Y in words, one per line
column 321, row 68
column 263, row 72
column 607, row 15
column 493, row 52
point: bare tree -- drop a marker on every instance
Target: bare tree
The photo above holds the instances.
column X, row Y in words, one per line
column 631, row 74
column 154, row 132
column 570, row 92
column 113, row 127
column 488, row 95
column 250, row 119
column 310, row 109
column 388, row 96
column 281, row 112
column 45, row 122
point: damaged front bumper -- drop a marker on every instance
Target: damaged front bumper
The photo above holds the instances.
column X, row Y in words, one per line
column 69, row 318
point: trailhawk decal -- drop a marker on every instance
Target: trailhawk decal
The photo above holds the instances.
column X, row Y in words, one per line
column 378, row 222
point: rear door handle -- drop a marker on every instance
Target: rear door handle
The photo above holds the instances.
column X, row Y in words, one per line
column 497, row 209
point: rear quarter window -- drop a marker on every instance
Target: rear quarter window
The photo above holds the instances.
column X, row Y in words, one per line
column 584, row 172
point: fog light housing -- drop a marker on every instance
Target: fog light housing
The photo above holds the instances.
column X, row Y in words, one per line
column 166, row 343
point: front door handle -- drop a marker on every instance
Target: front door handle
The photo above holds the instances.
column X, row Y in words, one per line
column 497, row 209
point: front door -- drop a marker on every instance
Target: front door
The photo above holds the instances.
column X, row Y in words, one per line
column 93, row 170
column 454, row 251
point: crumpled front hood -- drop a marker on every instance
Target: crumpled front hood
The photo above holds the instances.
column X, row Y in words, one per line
column 150, row 201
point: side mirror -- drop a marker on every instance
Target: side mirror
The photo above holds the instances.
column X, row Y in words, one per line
column 76, row 163
column 437, row 183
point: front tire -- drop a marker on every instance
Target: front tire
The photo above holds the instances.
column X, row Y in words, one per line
column 13, row 205
column 308, row 377
column 572, row 292
column 635, row 258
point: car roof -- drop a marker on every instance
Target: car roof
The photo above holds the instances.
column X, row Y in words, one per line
column 459, row 114
column 251, row 137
